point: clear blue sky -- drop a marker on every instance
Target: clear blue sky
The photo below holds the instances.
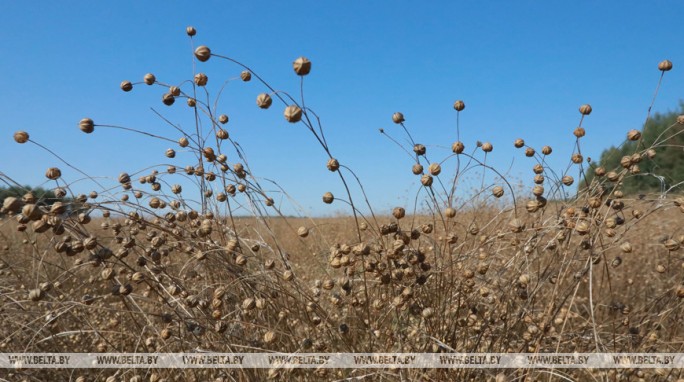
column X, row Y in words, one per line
column 522, row 68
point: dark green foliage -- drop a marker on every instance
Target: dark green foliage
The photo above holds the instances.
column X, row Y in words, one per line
column 43, row 196
column 666, row 137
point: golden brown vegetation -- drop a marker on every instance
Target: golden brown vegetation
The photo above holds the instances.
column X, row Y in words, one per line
column 135, row 268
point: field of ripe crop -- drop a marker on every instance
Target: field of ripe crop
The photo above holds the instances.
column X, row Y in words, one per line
column 166, row 260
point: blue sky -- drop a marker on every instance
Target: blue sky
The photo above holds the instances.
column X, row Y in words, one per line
column 522, row 68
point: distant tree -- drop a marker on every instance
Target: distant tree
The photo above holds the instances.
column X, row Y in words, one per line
column 667, row 138
column 43, row 196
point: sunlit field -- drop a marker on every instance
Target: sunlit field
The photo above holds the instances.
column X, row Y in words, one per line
column 198, row 256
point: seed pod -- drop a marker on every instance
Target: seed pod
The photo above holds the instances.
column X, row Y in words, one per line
column 582, row 227
column 497, row 191
column 538, row 190
column 203, row 53
column 435, row 169
column 599, row 171
column 529, row 152
column 398, row 212
column 288, row 275
column 201, row 79
column 634, row 135
column 519, row 143
column 264, row 101
column 183, row 142
column 190, row 31
column 328, row 198
column 246, row 75
column 417, row 169
column 532, row 206
column 516, row 225
column 221, row 134
column 577, row 158
column 302, row 66
column 86, row 125
column 35, row 294
column 21, row 137
column 457, row 147
column 487, row 147
column 665, row 65
column 303, row 231
column 149, row 79
column 53, row 173
column 419, row 149
column 426, row 180
column 450, row 212
column 585, row 109
column 671, row 245
column 579, row 132
column 626, row 247
column 170, row 153
column 223, row 119
column 333, row 165
column 168, row 99
column 539, row 179
column 398, row 118
column 547, row 150
column 126, row 86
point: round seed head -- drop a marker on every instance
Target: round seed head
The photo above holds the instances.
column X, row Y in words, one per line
column 459, row 105
column 539, row 179
column 585, row 109
column 577, row 158
column 457, row 147
column 124, row 178
column 529, row 152
column 600, row 171
column 519, row 143
column 223, row 119
column 665, row 65
column 435, row 169
column 626, row 247
column 293, row 113
column 398, row 117
column 221, row 134
column 246, row 75
column 149, row 78
column 671, row 245
column 302, row 66
column 190, row 31
column 21, row 137
column 303, row 231
column 203, row 53
column 450, row 212
column 579, row 132
column 328, row 198
column 86, row 125
column 168, row 99
column 201, row 79
column 126, row 86
column 53, row 173
column 487, row 147
column 419, row 149
column 270, row 337
column 538, row 190
column 183, row 142
column 426, row 180
column 192, row 102
column 288, row 275
column 497, row 191
column 333, row 165
column 516, row 225
column 398, row 212
column 546, row 150
column 634, row 135
column 680, row 119
column 170, row 153
column 417, row 169
column 264, row 101
column 175, row 91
